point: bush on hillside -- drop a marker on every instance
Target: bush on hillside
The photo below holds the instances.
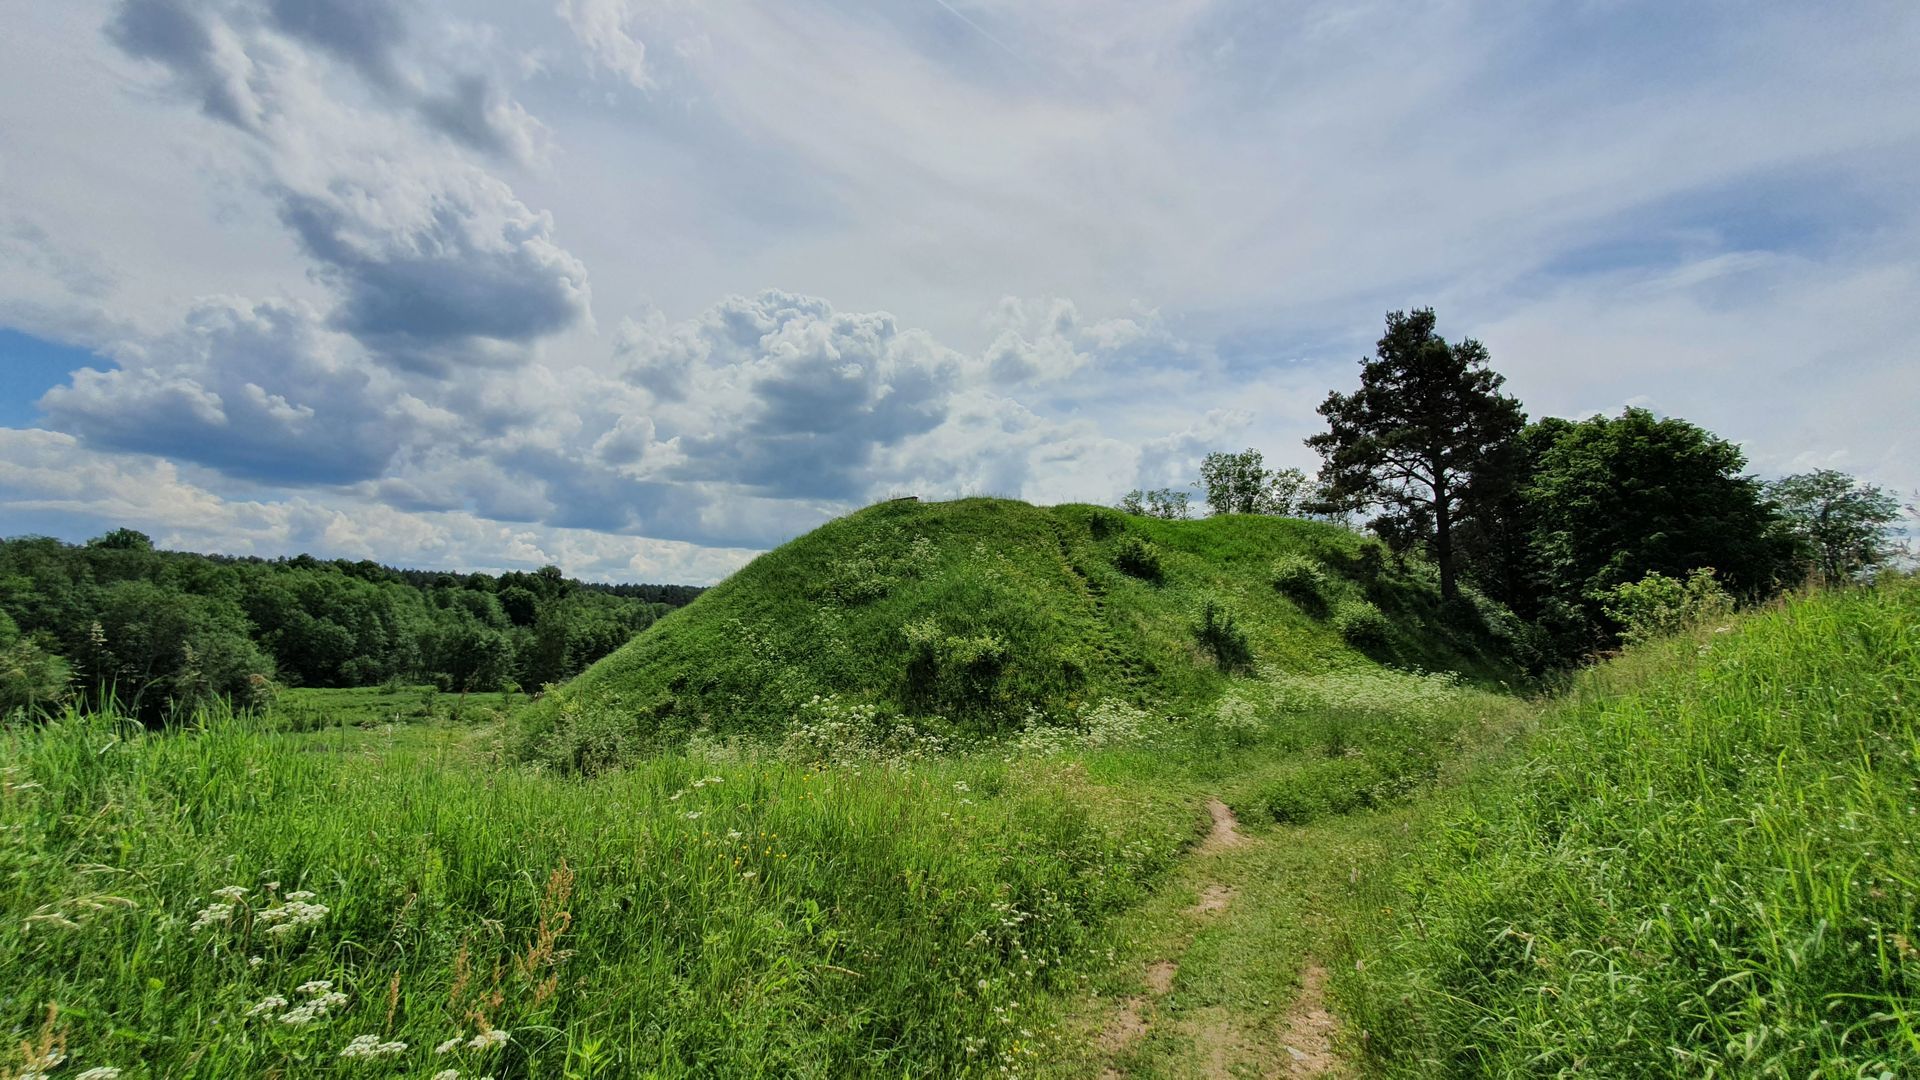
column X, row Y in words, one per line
column 1360, row 624
column 1137, row 557
column 1104, row 523
column 1300, row 579
column 956, row 675
column 1658, row 605
column 1221, row 635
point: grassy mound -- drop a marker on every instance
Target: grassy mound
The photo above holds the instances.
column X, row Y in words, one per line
column 981, row 615
column 1709, row 865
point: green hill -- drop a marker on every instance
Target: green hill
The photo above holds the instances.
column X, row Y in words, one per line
column 981, row 615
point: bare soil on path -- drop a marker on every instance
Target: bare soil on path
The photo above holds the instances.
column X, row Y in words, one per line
column 1221, row 976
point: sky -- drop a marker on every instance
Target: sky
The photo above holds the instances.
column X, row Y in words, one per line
column 644, row 287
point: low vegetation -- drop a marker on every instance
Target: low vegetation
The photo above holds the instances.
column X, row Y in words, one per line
column 1705, row 865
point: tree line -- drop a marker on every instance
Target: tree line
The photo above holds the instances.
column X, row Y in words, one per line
column 1553, row 518
column 162, row 632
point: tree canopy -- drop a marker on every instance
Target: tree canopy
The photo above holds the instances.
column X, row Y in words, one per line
column 1845, row 526
column 1427, row 421
column 1616, row 498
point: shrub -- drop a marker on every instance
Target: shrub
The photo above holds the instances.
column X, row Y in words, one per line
column 955, row 674
column 1360, row 623
column 1299, row 578
column 1105, row 523
column 1221, row 635
column 1138, row 558
column 1658, row 605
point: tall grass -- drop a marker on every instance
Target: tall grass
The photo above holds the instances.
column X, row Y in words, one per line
column 1706, row 866
column 682, row 917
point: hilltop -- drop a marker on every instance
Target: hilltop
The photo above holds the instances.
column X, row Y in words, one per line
column 978, row 615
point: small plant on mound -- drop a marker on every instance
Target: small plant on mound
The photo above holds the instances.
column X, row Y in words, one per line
column 1222, row 637
column 1360, row 624
column 1105, row 523
column 953, row 674
column 1300, row 579
column 1138, row 558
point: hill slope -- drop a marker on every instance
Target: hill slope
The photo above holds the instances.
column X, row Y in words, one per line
column 976, row 614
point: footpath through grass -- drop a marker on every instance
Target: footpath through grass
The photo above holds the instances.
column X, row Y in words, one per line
column 1705, row 866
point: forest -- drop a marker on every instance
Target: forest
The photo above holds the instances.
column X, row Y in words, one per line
column 164, row 632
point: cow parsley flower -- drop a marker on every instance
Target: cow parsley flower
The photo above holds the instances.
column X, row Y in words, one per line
column 213, row 914
column 268, row 1004
column 370, row 1046
column 317, row 986
column 99, row 1072
column 300, row 894
column 447, row 1074
column 231, row 893
column 487, row 1040
column 449, row 1046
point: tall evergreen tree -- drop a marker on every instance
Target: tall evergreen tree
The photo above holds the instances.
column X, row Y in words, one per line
column 1427, row 422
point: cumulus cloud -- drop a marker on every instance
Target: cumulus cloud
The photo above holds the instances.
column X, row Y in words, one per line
column 255, row 390
column 780, row 393
column 436, row 262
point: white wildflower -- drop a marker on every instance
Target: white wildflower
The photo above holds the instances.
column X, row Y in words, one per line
column 691, row 814
column 286, row 918
column 447, row 1074
column 734, row 834
column 749, row 875
column 488, row 1039
column 317, row 986
column 231, row 893
column 267, row 1005
column 271, row 886
column 370, row 1046
column 300, row 894
column 256, row 961
column 449, row 1046
column 99, row 1072
column 211, row 914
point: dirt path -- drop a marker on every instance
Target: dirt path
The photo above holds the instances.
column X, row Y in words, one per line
column 1189, row 1007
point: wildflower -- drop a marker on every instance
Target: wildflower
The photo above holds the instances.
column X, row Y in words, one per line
column 300, row 894
column 211, row 914
column 749, row 875
column 99, row 1072
column 488, row 1039
column 961, row 786
column 286, row 918
column 317, row 986
column 449, row 1046
column 691, row 814
column 271, row 886
column 447, row 1074
column 734, row 834
column 370, row 1046
column 231, row 893
column 256, row 961
column 267, row 1005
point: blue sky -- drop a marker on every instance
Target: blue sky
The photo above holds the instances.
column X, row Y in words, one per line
column 642, row 287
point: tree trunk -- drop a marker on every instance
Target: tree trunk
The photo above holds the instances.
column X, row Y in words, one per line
column 1443, row 540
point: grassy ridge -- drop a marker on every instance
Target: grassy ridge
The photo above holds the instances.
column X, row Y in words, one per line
column 1707, row 866
column 984, row 615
